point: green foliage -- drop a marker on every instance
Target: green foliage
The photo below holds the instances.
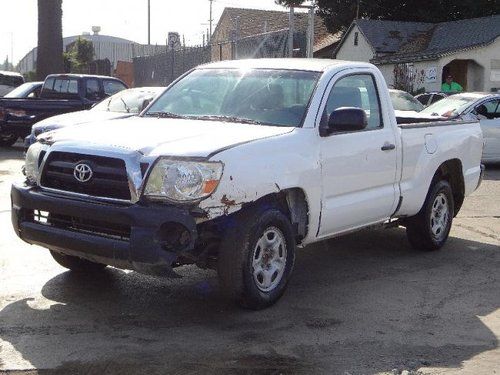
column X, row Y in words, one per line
column 30, row 76
column 79, row 56
column 338, row 14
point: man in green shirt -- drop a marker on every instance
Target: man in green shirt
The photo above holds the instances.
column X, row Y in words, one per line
column 450, row 85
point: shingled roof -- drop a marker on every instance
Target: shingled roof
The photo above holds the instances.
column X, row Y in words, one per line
column 254, row 21
column 411, row 41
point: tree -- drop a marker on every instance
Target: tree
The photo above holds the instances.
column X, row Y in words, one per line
column 50, row 44
column 338, row 14
column 80, row 55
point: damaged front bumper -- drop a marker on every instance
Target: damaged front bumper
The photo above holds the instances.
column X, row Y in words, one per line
column 148, row 238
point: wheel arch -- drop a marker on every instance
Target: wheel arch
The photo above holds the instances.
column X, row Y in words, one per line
column 294, row 204
column 452, row 171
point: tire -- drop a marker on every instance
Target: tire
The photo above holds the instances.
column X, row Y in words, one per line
column 8, row 139
column 76, row 264
column 256, row 257
column 429, row 229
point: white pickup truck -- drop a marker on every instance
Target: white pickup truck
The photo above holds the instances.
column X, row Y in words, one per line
column 236, row 165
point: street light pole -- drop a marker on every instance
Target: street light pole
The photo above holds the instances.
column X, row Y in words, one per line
column 149, row 22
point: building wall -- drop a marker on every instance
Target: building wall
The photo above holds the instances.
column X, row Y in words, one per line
column 488, row 58
column 348, row 51
column 420, row 83
column 483, row 69
column 103, row 49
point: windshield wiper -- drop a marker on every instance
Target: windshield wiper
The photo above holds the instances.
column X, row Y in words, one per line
column 163, row 115
column 241, row 120
column 126, row 106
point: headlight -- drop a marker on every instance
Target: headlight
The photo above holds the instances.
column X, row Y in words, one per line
column 31, row 162
column 183, row 181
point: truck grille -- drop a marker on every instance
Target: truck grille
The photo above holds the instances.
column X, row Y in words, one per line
column 109, row 175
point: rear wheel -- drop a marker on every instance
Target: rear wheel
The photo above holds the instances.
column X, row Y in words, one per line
column 256, row 257
column 7, row 139
column 429, row 229
column 76, row 264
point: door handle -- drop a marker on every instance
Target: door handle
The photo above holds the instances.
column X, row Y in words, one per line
column 388, row 147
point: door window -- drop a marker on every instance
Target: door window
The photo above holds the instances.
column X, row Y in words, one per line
column 488, row 110
column 358, row 91
column 93, row 91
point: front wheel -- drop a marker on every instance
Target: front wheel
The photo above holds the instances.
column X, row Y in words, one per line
column 429, row 229
column 256, row 257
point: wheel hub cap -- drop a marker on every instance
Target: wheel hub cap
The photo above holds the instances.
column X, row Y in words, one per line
column 269, row 259
column 440, row 216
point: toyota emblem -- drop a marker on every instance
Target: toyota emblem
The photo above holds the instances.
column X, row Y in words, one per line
column 83, row 172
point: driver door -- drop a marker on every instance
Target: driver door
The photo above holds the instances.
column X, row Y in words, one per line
column 358, row 167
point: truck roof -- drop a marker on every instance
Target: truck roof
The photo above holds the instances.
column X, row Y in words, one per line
column 73, row 75
column 315, row 65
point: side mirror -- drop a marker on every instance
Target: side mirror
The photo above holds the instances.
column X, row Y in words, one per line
column 345, row 119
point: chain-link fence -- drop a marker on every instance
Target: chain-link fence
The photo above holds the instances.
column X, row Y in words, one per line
column 163, row 68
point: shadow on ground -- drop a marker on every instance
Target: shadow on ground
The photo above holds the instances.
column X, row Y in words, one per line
column 364, row 303
column 492, row 172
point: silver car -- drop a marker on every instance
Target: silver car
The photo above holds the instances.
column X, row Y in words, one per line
column 483, row 106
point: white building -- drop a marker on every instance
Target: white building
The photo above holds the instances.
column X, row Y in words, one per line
column 469, row 50
column 105, row 47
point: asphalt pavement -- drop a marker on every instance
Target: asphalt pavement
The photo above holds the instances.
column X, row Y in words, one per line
column 361, row 304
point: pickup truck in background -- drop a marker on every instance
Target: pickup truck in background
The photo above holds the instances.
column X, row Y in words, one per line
column 61, row 93
column 236, row 165
column 125, row 103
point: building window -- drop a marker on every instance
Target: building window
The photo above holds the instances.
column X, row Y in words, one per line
column 356, row 38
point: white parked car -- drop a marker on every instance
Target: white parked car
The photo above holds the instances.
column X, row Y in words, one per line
column 484, row 107
column 125, row 103
column 26, row 90
column 236, row 165
column 403, row 101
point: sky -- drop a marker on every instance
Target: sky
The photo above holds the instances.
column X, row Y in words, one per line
column 122, row 18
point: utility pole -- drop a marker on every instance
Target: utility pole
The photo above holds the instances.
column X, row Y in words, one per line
column 291, row 17
column 149, row 22
column 357, row 10
column 211, row 19
column 310, row 28
column 12, row 49
column 310, row 36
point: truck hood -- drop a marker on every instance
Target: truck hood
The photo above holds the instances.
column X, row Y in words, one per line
column 76, row 118
column 168, row 137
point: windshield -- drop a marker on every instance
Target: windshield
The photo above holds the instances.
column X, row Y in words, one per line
column 127, row 101
column 402, row 101
column 260, row 96
column 451, row 106
column 22, row 91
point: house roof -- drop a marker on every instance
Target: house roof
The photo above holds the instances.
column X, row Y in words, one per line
column 255, row 21
column 400, row 41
